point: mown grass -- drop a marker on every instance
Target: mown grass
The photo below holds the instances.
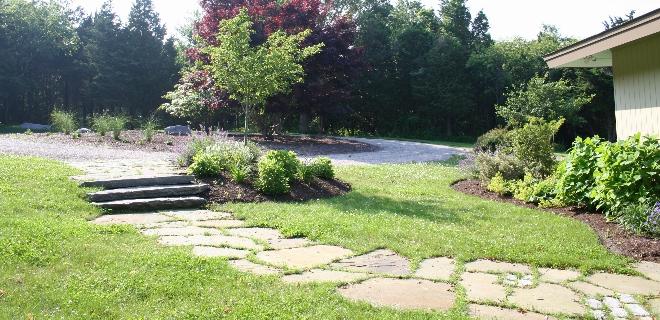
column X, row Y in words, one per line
column 413, row 210
column 54, row 264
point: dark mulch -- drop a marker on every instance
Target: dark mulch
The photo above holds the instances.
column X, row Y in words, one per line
column 612, row 235
column 224, row 190
column 133, row 140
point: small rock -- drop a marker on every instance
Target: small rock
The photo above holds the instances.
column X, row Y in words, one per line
column 611, row 303
column 638, row 310
column 594, row 304
column 619, row 313
column 626, row 298
column 84, row 130
column 525, row 283
column 511, row 277
column 527, row 277
column 599, row 314
column 178, row 130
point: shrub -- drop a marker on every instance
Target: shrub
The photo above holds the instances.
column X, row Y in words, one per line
column 149, row 128
column 488, row 165
column 306, row 172
column 106, row 123
column 63, row 121
column 576, row 173
column 498, row 185
column 532, row 145
column 240, row 173
column 322, row 167
column 205, row 164
column 195, row 146
column 641, row 218
column 234, row 154
column 493, row 140
column 276, row 170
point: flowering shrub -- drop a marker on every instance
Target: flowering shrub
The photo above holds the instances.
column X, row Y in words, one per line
column 642, row 219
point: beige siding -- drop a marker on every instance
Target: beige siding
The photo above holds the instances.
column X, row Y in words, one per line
column 637, row 87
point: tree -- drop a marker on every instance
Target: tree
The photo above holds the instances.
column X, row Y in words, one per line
column 456, row 21
column 253, row 74
column 617, row 21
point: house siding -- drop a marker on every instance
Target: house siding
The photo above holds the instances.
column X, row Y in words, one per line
column 637, row 87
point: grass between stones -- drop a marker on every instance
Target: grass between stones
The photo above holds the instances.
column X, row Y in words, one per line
column 413, row 210
column 54, row 264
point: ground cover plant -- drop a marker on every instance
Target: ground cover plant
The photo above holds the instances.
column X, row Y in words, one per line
column 54, row 264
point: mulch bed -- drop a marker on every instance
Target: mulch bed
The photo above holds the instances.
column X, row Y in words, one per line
column 224, row 190
column 133, row 140
column 612, row 235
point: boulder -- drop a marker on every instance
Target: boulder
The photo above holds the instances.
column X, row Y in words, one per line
column 178, row 131
column 35, row 126
column 84, row 130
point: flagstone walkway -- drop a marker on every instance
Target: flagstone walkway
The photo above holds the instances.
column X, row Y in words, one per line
column 494, row 290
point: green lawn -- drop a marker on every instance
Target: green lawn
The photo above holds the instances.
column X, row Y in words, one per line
column 53, row 264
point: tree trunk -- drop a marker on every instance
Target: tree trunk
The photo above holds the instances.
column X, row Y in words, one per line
column 245, row 127
column 303, row 122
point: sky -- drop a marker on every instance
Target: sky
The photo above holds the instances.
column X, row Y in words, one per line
column 508, row 18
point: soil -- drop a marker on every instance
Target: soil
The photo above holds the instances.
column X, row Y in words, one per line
column 133, row 140
column 612, row 235
column 224, row 190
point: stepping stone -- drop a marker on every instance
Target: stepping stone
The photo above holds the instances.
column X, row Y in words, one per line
column 198, row 215
column 305, row 257
column 181, row 231
column 402, row 293
column 278, row 244
column 135, row 219
column 251, row 267
column 549, row 298
column 214, row 240
column 557, row 275
column 638, row 310
column 436, row 269
column 152, row 203
column 626, row 298
column 655, row 306
column 379, row 261
column 482, row 287
column 221, row 224
column 213, row 252
column 649, row 269
column 496, row 267
column 129, row 182
column 626, row 284
column 169, row 224
column 590, row 289
column 497, row 313
column 594, row 304
column 147, row 192
column 319, row 275
column 264, row 234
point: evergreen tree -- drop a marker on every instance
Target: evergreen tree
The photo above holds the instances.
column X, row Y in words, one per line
column 480, row 36
column 456, row 20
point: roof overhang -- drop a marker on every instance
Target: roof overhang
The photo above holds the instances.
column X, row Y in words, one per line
column 596, row 51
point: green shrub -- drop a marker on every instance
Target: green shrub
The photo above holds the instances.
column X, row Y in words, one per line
column 523, row 190
column 239, row 173
column 322, row 168
column 63, row 121
column 149, row 128
column 234, row 154
column 106, row 123
column 276, row 171
column 488, row 165
column 306, row 173
column 641, row 218
column 205, row 164
column 493, row 140
column 195, row 146
column 498, row 185
column 532, row 145
column 576, row 173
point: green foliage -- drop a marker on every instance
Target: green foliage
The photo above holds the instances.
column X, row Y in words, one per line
column 489, row 165
column 276, row 171
column 576, row 173
column 532, row 146
column 498, row 185
column 194, row 147
column 493, row 140
column 641, row 218
column 550, row 101
column 63, row 121
column 105, row 123
column 234, row 154
column 205, row 164
column 239, row 172
column 234, row 157
column 306, row 173
column 149, row 129
column 322, row 168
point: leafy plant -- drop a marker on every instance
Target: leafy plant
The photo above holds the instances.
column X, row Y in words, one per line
column 149, row 128
column 194, row 147
column 493, row 140
column 322, row 167
column 306, row 173
column 63, row 121
column 239, row 172
column 234, row 154
column 488, row 165
column 498, row 185
column 576, row 173
column 276, row 171
column 105, row 123
column 532, row 145
column 641, row 218
column 205, row 164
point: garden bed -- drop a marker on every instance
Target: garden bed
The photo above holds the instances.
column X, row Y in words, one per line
column 225, row 190
column 612, row 235
column 133, row 140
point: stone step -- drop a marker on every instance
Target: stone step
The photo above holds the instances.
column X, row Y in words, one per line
column 145, row 181
column 152, row 204
column 148, row 192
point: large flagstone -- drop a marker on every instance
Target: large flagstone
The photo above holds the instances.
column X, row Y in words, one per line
column 305, row 257
column 402, row 293
column 379, row 261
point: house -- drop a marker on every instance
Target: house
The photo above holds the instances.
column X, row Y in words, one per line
column 633, row 51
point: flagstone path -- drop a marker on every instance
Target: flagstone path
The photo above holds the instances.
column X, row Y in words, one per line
column 494, row 290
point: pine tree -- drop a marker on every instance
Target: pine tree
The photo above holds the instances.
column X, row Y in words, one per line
column 456, row 20
column 480, row 36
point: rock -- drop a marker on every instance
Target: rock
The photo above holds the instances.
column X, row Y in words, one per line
column 626, row 284
column 264, row 234
column 181, row 231
column 178, row 130
column 251, row 267
column 599, row 314
column 612, row 303
column 548, row 298
column 496, row 267
column 649, row 269
column 594, row 304
column 213, row 240
column 590, row 289
column 497, row 313
column 35, row 126
column 84, row 131
column 557, row 275
column 379, row 261
column 626, row 298
column 221, row 224
column 637, row 310
column 619, row 313
column 655, row 306
column 198, row 215
column 482, row 287
column 213, row 252
column 402, row 293
column 306, row 257
column 278, row 244
column 436, row 269
column 135, row 219
column 319, row 275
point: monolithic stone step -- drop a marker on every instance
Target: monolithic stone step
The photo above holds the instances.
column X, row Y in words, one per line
column 152, row 204
column 148, row 192
column 131, row 182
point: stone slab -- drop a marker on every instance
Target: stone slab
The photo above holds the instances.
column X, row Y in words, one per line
column 402, row 293
column 319, row 275
column 549, row 298
column 214, row 252
column 497, row 313
column 654, row 305
column 649, row 269
column 496, row 267
column 214, row 240
column 557, row 275
column 264, row 234
column 436, row 269
column 482, row 287
column 379, row 261
column 279, row 244
column 251, row 267
column 305, row 257
column 135, row 219
column 590, row 289
column 181, row 231
column 221, row 224
column 626, row 284
column 198, row 215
